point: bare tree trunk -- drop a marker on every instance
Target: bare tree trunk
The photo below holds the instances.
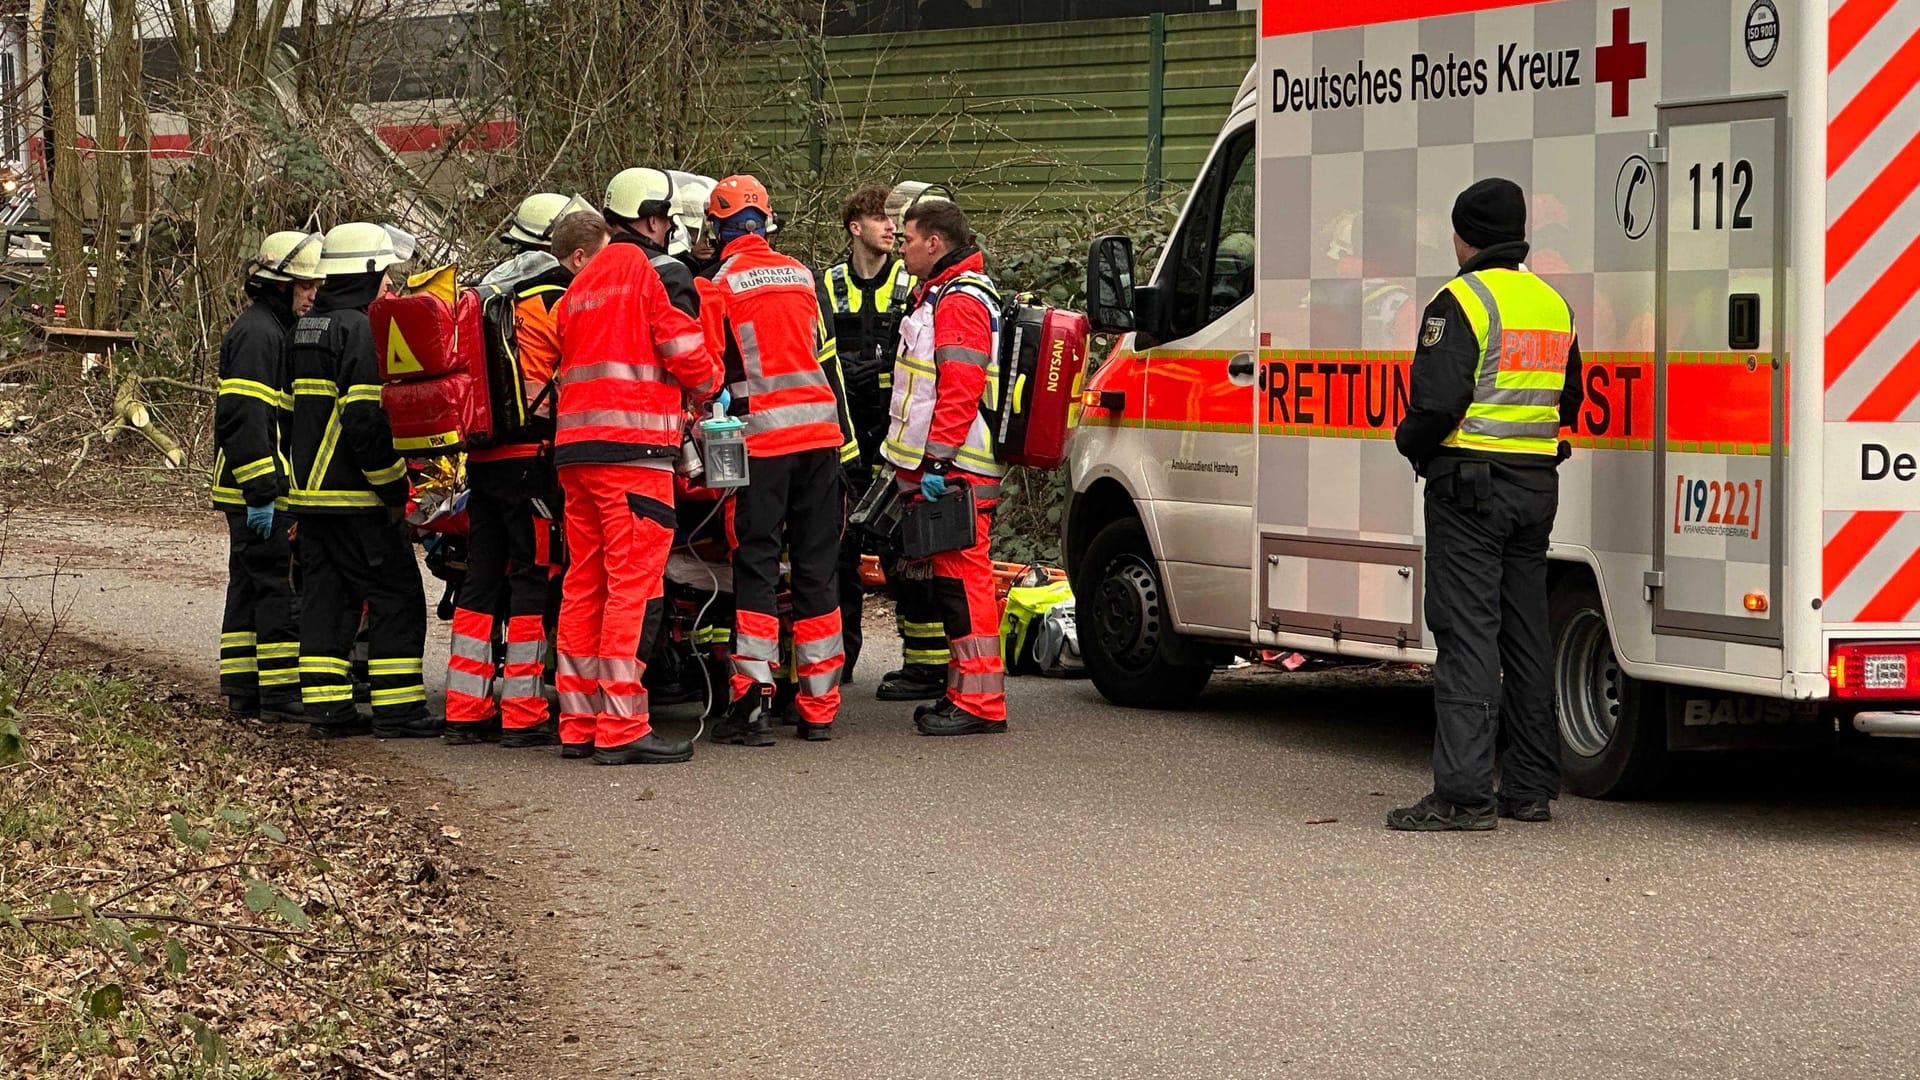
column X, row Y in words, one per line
column 69, row 32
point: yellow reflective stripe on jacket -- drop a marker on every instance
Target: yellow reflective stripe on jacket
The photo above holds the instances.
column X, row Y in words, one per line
column 387, row 475
column 253, row 470
column 360, row 393
column 1525, row 333
column 323, row 387
column 259, row 391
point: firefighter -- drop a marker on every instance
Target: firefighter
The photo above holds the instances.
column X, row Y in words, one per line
column 260, row 632
column 529, row 236
column 510, row 495
column 944, row 381
column 783, row 378
column 867, row 296
column 640, row 205
column 1495, row 377
column 350, row 493
column 629, row 359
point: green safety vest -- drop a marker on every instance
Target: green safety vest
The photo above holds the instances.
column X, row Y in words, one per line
column 1525, row 332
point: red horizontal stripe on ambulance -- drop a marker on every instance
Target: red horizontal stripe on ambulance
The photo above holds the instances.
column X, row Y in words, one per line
column 1742, row 400
column 1279, row 17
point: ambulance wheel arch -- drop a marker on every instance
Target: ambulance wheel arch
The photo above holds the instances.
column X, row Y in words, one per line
column 1612, row 726
column 1133, row 653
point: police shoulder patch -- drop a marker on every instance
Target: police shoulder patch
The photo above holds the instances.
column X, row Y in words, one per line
column 1430, row 334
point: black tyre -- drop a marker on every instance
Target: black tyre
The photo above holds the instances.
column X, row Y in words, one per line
column 1613, row 727
column 1126, row 632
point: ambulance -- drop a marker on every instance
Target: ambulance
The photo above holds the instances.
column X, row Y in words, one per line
column 1727, row 192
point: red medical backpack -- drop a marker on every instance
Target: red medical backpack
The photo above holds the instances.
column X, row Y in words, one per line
column 451, row 372
column 1043, row 352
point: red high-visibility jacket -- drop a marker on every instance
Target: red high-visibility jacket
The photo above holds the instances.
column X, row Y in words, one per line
column 778, row 352
column 628, row 360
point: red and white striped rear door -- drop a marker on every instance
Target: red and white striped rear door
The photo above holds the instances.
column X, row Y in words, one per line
column 1871, row 552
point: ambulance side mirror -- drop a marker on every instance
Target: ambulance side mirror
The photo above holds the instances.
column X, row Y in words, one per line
column 1110, row 285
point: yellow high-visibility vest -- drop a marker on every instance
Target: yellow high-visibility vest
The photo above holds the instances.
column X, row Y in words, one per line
column 1525, row 333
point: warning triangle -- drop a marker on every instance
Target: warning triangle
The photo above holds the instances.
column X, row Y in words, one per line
column 400, row 358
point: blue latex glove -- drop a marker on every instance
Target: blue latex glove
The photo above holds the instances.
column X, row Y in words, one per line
column 260, row 520
column 932, row 486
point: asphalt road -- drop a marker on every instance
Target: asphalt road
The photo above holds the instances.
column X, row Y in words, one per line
column 1117, row 894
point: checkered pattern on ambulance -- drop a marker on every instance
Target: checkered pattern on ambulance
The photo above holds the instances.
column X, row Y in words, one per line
column 1871, row 530
column 1366, row 135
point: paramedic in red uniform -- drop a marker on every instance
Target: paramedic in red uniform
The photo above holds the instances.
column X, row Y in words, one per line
column 630, row 363
column 939, row 436
column 1495, row 378
column 509, row 504
column 782, row 376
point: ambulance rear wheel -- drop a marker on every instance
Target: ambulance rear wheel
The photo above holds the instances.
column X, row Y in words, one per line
column 1613, row 730
column 1127, row 638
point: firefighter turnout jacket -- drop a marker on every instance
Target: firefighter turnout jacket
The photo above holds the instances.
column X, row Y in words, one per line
column 537, row 339
column 255, row 406
column 342, row 446
column 782, row 369
column 625, row 372
column 866, row 317
column 1497, row 370
column 675, row 275
column 947, row 379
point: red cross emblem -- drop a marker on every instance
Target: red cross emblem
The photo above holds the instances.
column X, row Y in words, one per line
column 1621, row 61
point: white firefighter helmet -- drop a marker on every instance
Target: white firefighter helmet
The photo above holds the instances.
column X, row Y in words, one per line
column 535, row 217
column 907, row 193
column 361, row 247
column 639, row 193
column 690, row 194
column 288, row 256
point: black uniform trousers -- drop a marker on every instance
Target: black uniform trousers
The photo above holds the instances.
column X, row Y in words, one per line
column 260, row 632
column 347, row 561
column 1487, row 531
column 504, row 578
column 920, row 617
column 792, row 503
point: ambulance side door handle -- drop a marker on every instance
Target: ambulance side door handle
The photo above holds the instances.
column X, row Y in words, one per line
column 1240, row 369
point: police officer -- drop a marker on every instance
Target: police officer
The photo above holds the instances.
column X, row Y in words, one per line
column 1495, row 377
column 260, row 633
column 350, row 493
column 867, row 297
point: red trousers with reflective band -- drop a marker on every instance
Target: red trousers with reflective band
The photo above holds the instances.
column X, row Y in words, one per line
column 963, row 584
column 795, row 505
column 470, row 671
column 619, row 530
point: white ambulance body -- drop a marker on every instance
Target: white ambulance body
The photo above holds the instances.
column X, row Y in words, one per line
column 1726, row 193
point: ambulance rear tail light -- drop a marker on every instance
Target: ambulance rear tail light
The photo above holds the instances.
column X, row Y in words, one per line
column 1876, row 669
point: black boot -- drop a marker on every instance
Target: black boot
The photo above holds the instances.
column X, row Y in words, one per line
column 473, row 734
column 576, row 749
column 543, row 734
column 342, row 727
column 1435, row 814
column 814, row 732
column 915, row 682
column 1526, row 809
column 419, row 727
column 749, row 722
column 283, row 712
column 243, row 708
column 786, row 708
column 948, row 718
column 649, row 749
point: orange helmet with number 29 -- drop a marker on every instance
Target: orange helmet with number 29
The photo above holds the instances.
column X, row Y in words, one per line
column 737, row 193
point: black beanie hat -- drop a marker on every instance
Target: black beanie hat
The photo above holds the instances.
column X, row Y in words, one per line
column 1492, row 211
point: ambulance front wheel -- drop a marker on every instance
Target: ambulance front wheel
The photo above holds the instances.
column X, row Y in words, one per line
column 1613, row 733
column 1133, row 653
